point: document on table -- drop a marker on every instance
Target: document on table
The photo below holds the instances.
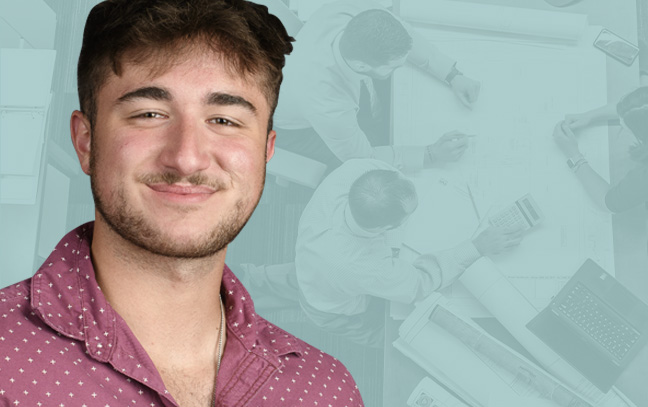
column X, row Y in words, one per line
column 529, row 82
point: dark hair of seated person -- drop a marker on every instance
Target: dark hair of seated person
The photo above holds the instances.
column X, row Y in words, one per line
column 633, row 110
column 380, row 198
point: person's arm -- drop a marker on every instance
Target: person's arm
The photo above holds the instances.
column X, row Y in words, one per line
column 431, row 60
column 591, row 117
column 449, row 147
column 445, row 266
column 344, row 137
column 630, row 192
column 399, row 280
column 428, row 57
column 595, row 186
column 335, row 120
column 333, row 116
column 407, row 158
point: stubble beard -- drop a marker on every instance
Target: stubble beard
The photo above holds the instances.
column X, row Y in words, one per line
column 133, row 225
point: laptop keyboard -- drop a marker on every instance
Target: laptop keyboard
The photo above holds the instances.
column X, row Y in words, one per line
column 586, row 310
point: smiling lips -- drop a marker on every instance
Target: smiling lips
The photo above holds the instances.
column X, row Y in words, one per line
column 183, row 193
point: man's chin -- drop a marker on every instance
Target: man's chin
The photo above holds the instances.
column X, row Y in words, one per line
column 182, row 246
column 185, row 241
column 170, row 233
column 186, row 251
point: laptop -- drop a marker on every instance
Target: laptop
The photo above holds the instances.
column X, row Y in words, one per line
column 595, row 324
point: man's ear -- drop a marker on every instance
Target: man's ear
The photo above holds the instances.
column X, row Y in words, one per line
column 270, row 145
column 81, row 133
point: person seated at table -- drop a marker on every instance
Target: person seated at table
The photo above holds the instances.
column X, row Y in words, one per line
column 345, row 263
column 328, row 107
column 632, row 190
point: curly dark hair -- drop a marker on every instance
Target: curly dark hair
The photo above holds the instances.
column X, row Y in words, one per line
column 252, row 42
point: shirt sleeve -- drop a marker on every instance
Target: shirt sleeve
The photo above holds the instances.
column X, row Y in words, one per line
column 334, row 119
column 445, row 266
column 631, row 191
column 403, row 281
column 428, row 57
column 406, row 158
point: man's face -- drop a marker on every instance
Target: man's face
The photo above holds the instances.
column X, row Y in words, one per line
column 177, row 161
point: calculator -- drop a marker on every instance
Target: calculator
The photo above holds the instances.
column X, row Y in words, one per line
column 523, row 213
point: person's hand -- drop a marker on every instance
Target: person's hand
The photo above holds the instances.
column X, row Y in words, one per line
column 566, row 140
column 466, row 89
column 579, row 121
column 449, row 147
column 495, row 240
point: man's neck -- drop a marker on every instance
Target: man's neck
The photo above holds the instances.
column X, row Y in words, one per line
column 168, row 303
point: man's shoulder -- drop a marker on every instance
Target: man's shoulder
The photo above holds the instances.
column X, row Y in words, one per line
column 311, row 374
column 14, row 296
column 318, row 80
column 18, row 322
column 15, row 313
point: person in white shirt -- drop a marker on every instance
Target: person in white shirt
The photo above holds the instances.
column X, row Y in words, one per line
column 339, row 52
column 345, row 264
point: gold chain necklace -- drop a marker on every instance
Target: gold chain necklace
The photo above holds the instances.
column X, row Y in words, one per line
column 220, row 347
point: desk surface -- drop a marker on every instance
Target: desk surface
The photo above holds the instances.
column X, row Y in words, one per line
column 629, row 229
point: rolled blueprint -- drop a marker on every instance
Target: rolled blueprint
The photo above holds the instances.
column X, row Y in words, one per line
column 497, row 353
column 448, row 360
column 496, row 19
column 484, row 280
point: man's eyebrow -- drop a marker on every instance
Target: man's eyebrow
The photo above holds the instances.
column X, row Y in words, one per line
column 226, row 99
column 150, row 92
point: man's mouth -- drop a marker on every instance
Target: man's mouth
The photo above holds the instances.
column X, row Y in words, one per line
column 182, row 194
column 182, row 189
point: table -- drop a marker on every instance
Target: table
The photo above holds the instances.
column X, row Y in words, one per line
column 628, row 229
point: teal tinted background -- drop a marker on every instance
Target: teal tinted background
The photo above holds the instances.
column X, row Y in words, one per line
column 44, row 194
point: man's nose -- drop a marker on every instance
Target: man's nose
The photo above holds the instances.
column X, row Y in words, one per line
column 185, row 149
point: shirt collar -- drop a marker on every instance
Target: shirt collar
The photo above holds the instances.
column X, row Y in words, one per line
column 353, row 226
column 66, row 296
column 255, row 333
column 345, row 69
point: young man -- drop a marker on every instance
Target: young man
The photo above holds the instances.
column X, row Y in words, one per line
column 139, row 308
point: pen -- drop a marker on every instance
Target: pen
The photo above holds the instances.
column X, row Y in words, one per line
column 411, row 248
column 472, row 200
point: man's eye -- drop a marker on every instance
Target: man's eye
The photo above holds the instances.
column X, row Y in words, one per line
column 222, row 121
column 150, row 115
